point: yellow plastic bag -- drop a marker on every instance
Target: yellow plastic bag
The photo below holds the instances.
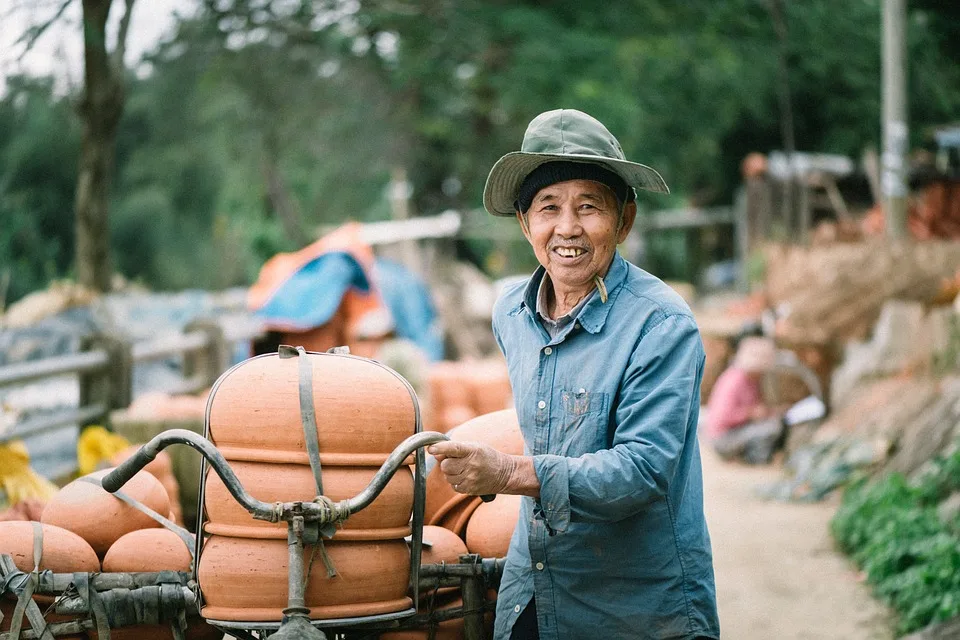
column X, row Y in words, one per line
column 18, row 481
column 97, row 445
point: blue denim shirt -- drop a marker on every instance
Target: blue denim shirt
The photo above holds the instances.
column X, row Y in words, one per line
column 617, row 545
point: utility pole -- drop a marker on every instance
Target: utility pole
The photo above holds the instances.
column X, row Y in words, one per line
column 895, row 129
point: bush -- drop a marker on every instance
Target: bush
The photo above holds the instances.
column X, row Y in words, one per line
column 911, row 557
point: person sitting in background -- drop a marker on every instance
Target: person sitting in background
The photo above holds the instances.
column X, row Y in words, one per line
column 739, row 423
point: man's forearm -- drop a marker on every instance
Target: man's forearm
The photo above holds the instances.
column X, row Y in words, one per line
column 523, row 479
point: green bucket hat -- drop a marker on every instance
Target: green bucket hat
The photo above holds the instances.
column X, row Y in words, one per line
column 562, row 135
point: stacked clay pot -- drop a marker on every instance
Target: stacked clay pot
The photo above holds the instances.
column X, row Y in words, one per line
column 160, row 468
column 101, row 518
column 62, row 552
column 463, row 390
column 441, row 546
column 152, row 550
column 491, row 526
column 363, row 411
column 449, row 509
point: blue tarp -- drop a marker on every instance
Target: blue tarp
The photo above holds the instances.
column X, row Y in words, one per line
column 309, row 297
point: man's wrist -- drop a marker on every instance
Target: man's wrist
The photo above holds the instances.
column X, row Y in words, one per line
column 523, row 479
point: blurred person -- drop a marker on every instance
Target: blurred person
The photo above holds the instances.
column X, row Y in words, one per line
column 739, row 423
column 605, row 362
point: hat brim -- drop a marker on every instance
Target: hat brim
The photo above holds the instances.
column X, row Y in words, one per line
column 503, row 183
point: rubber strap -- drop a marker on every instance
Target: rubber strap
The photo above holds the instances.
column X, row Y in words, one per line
column 94, row 605
column 182, row 533
column 311, row 437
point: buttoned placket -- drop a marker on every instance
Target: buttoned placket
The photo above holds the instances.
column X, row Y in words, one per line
column 538, row 529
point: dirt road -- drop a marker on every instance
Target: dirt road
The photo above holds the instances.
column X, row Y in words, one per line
column 778, row 575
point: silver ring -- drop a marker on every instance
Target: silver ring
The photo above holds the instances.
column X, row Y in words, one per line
column 456, row 487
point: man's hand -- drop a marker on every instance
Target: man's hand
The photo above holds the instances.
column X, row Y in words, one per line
column 478, row 469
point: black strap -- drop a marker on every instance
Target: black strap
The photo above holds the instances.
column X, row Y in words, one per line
column 94, row 605
column 311, row 437
column 182, row 533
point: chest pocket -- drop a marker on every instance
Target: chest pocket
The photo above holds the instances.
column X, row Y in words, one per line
column 583, row 423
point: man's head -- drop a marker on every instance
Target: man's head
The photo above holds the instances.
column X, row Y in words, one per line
column 572, row 191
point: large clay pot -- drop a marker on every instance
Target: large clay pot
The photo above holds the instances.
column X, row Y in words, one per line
column 364, row 410
column 387, row 517
column 445, row 547
column 148, row 550
column 152, row 550
column 455, row 415
column 490, row 386
column 372, row 578
column 491, row 526
column 101, row 518
column 62, row 552
column 448, row 387
column 500, row 430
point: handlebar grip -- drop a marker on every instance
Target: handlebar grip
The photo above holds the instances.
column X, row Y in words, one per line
column 488, row 497
column 127, row 469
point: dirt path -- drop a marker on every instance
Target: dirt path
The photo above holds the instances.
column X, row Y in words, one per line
column 778, row 575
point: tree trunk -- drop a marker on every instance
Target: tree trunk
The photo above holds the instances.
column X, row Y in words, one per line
column 100, row 108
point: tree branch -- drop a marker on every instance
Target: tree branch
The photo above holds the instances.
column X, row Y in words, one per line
column 31, row 35
column 123, row 30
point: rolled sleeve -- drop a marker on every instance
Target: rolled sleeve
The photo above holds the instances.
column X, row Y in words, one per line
column 660, row 389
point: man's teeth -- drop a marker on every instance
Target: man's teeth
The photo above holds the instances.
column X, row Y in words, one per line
column 567, row 252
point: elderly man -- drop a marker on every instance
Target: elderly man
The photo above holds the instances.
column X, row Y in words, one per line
column 605, row 363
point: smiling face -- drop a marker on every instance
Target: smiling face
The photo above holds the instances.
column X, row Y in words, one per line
column 574, row 231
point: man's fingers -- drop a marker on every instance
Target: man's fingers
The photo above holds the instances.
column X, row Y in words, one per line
column 448, row 449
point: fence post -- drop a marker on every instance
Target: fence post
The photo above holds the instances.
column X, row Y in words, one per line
column 211, row 361
column 112, row 386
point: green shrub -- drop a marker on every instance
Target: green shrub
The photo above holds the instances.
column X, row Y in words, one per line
column 892, row 531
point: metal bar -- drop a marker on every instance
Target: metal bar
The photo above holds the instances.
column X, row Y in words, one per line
column 35, row 370
column 76, row 605
column 169, row 346
column 471, row 588
column 49, row 422
column 311, row 511
column 488, row 568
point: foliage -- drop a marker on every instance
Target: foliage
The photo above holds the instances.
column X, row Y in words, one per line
column 257, row 121
column 892, row 530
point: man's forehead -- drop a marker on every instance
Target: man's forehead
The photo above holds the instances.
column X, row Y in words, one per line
column 576, row 188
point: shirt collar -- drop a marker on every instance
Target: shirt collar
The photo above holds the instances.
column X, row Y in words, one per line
column 592, row 316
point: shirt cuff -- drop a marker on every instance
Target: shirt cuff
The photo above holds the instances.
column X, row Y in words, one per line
column 554, row 477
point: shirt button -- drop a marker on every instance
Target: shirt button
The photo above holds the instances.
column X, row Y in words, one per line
column 539, row 566
column 548, row 351
column 542, row 404
column 577, row 325
column 516, row 609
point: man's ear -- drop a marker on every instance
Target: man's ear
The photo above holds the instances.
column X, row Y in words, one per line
column 626, row 222
column 523, row 225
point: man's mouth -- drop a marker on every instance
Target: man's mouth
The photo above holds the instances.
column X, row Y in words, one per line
column 570, row 252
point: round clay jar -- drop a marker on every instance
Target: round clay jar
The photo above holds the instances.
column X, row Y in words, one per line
column 101, row 518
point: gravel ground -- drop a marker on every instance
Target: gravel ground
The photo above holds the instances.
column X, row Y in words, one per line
column 778, row 573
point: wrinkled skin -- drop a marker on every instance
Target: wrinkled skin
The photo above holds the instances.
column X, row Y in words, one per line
column 574, row 228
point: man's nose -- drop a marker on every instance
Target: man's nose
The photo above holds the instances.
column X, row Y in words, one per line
column 568, row 226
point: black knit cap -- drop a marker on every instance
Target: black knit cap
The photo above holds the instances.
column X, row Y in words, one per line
column 553, row 172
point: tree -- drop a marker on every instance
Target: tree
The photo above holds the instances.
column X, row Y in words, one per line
column 100, row 109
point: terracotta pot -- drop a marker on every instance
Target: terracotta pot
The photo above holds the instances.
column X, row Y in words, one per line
column 455, row 415
column 148, row 550
column 445, row 547
column 491, row 526
column 388, row 516
column 489, row 386
column 364, row 410
column 101, row 518
column 447, row 385
column 246, row 580
column 500, row 430
column 62, row 552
